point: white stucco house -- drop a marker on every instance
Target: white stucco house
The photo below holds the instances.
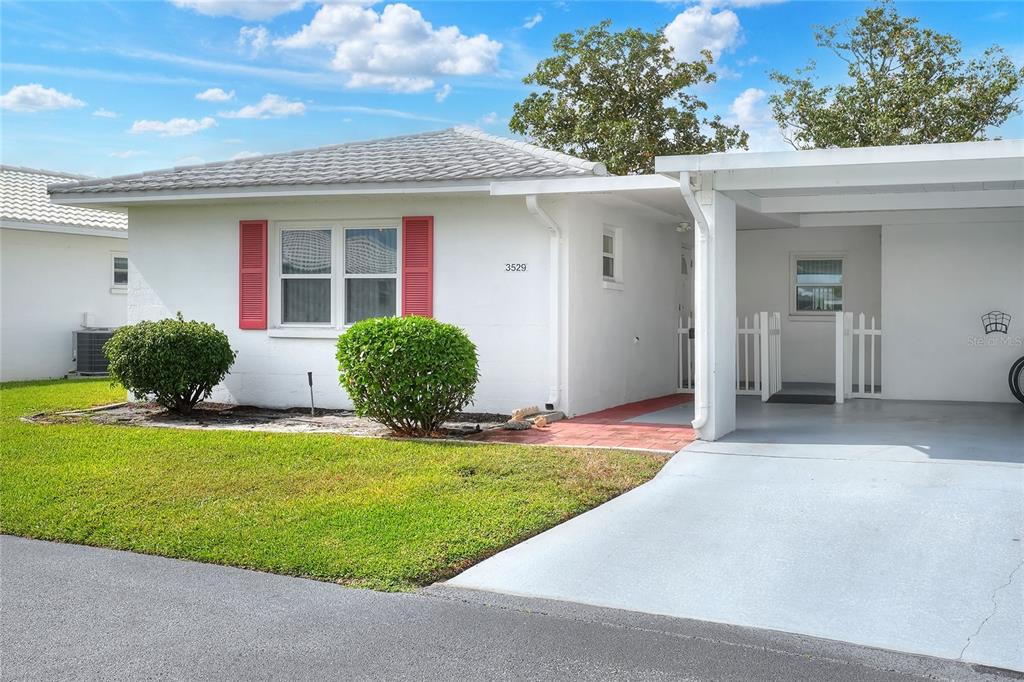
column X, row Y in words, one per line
column 718, row 275
column 62, row 269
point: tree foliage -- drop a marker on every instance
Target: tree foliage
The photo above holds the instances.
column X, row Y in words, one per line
column 907, row 85
column 177, row 361
column 620, row 98
column 408, row 373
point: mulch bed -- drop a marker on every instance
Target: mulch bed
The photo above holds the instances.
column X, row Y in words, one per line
column 247, row 418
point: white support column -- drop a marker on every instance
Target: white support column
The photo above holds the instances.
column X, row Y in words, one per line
column 840, row 358
column 718, row 255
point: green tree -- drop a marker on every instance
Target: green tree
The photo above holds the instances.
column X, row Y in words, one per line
column 619, row 98
column 907, row 85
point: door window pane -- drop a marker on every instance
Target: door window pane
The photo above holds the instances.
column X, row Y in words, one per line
column 819, row 272
column 306, row 252
column 366, row 298
column 371, row 251
column 819, row 285
column 306, row 301
column 819, row 299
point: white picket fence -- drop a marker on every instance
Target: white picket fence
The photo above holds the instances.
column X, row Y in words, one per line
column 858, row 353
column 758, row 355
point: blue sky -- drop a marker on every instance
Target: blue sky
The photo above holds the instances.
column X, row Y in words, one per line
column 118, row 87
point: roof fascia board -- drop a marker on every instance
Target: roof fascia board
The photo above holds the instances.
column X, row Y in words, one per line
column 901, row 201
column 581, row 185
column 818, row 178
column 138, row 197
column 967, row 216
column 956, row 151
column 65, row 229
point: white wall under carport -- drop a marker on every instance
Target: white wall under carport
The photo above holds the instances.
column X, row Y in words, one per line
column 938, row 279
column 764, row 281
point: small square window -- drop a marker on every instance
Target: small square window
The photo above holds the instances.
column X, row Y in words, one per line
column 817, row 285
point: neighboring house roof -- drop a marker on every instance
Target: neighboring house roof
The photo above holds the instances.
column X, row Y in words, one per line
column 25, row 203
column 447, row 156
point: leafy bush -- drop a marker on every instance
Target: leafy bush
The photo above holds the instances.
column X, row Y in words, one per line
column 177, row 361
column 408, row 373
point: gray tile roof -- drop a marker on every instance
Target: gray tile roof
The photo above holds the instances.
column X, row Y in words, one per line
column 23, row 199
column 455, row 154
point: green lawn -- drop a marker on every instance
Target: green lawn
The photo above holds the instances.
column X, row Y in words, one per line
column 371, row 513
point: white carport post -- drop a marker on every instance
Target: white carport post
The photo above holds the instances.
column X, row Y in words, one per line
column 715, row 307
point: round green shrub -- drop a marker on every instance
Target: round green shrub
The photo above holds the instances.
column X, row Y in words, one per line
column 408, row 373
column 176, row 361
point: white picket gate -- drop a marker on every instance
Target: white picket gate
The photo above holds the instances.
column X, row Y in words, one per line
column 771, row 354
column 758, row 355
column 858, row 354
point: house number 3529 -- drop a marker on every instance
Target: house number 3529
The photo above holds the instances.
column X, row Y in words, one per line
column 515, row 267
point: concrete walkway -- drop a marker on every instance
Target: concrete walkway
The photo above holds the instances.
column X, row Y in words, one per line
column 890, row 524
column 72, row 612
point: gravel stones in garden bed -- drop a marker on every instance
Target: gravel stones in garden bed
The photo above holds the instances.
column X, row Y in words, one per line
column 246, row 418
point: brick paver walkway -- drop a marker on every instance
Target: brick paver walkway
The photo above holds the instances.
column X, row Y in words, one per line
column 607, row 428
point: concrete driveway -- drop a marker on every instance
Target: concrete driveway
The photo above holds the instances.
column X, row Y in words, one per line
column 892, row 524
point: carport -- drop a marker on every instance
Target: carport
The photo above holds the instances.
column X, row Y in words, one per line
column 951, row 224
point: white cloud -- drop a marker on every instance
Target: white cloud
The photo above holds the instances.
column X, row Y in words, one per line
column 749, row 107
column 215, row 95
column 442, row 94
column 395, row 48
column 392, row 83
column 271, row 106
column 105, row 113
column 250, row 10
column 245, row 155
column 489, row 119
column 700, row 28
column 253, row 38
column 533, row 21
column 188, row 161
column 176, row 127
column 34, row 97
column 127, row 154
column 750, row 111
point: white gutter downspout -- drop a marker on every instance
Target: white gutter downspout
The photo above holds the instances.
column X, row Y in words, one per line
column 554, row 304
column 701, row 317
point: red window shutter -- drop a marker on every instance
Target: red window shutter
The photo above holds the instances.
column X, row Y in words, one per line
column 252, row 274
column 418, row 266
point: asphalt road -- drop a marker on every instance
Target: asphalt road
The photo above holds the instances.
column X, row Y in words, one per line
column 73, row 612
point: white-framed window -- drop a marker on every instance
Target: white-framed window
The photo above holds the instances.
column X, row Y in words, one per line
column 611, row 258
column 118, row 270
column 608, row 254
column 817, row 284
column 333, row 274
